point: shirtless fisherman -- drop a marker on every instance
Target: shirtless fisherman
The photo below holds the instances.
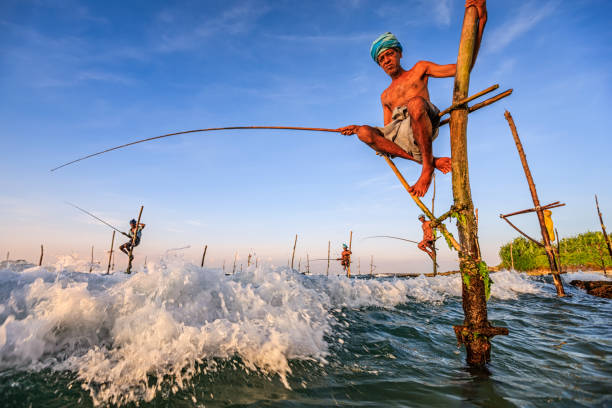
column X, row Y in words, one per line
column 410, row 119
column 125, row 248
column 345, row 257
column 427, row 244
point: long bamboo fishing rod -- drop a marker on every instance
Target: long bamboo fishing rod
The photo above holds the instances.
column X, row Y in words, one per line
column 99, row 219
column 315, row 129
column 389, row 236
column 195, row 131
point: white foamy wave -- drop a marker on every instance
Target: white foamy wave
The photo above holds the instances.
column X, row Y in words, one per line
column 585, row 276
column 118, row 332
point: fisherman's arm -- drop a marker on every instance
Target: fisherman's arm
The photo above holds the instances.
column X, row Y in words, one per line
column 437, row 71
column 141, row 225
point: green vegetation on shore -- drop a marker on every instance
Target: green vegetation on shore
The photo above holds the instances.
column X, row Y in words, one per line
column 586, row 251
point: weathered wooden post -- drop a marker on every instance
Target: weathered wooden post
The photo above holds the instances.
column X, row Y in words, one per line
column 293, row 253
column 603, row 227
column 203, row 256
column 130, row 257
column 42, row 251
column 371, row 265
column 92, row 260
column 224, row 267
column 300, row 264
column 348, row 268
column 235, row 259
column 249, row 260
column 554, row 267
column 476, row 330
column 328, row 252
column 307, row 264
column 434, row 250
column 110, row 254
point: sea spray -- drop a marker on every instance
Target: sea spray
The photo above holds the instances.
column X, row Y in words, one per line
column 127, row 337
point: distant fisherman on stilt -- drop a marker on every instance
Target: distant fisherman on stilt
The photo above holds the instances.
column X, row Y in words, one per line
column 410, row 119
column 125, row 248
column 427, row 244
column 345, row 259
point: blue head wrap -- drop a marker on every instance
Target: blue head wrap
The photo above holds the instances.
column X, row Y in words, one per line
column 383, row 43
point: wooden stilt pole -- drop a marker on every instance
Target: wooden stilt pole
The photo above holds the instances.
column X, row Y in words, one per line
column 307, row 264
column 203, row 256
column 224, row 266
column 113, row 265
column 235, row 259
column 92, row 260
column 293, row 253
column 300, row 265
column 348, row 268
column 110, row 253
column 371, row 265
column 476, row 330
column 328, row 252
column 42, row 251
column 511, row 257
column 358, row 266
column 434, row 250
column 249, row 260
column 130, row 257
column 603, row 227
column 8, row 254
column 554, row 268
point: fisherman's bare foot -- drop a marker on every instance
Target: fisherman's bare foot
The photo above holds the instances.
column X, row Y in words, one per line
column 443, row 164
column 422, row 185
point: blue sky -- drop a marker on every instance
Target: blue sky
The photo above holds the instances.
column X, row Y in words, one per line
column 78, row 77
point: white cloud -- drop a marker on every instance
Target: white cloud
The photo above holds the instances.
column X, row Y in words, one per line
column 524, row 20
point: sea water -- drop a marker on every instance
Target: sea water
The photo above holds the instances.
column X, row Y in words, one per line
column 174, row 334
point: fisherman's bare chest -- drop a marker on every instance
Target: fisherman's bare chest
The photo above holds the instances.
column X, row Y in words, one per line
column 402, row 89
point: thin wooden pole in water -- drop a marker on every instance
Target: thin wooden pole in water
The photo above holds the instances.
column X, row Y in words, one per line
column 42, row 251
column 476, row 331
column 300, row 264
column 328, row 254
column 371, row 265
column 249, row 260
column 348, row 268
column 293, row 253
column 434, row 250
column 603, row 227
column 92, row 260
column 554, row 267
column 110, row 253
column 203, row 256
column 224, row 266
column 307, row 264
column 235, row 259
column 130, row 257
